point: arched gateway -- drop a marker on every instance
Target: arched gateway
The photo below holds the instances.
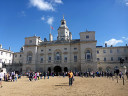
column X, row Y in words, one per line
column 57, row 70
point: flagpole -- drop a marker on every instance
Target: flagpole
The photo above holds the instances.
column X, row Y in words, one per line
column 50, row 29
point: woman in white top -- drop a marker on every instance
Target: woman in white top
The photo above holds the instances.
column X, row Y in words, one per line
column 1, row 77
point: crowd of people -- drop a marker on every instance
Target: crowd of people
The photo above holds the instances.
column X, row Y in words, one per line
column 12, row 76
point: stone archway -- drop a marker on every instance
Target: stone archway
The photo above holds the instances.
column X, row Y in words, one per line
column 100, row 69
column 49, row 69
column 28, row 69
column 108, row 69
column 57, row 70
column 65, row 69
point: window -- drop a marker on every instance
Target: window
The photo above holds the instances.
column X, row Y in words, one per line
column 126, row 58
column 42, row 50
column 49, row 58
column 97, row 51
column 15, row 55
column 49, row 49
column 65, row 58
column 41, row 60
column 87, row 36
column 1, row 53
column 88, row 55
column 104, row 51
column 125, row 50
column 9, row 61
column 111, row 58
column 75, row 48
column 118, row 51
column 105, row 59
column 98, row 59
column 29, row 59
column 20, row 55
column 30, row 41
column 58, row 57
column 65, row 48
column 110, row 50
column 119, row 58
column 0, row 60
column 75, row 58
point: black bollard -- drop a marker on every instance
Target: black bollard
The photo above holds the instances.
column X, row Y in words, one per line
column 117, row 79
column 123, row 80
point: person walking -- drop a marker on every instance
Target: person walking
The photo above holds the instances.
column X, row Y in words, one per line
column 70, row 78
column 1, row 77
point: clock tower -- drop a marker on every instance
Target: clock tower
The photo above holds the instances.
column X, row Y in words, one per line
column 63, row 31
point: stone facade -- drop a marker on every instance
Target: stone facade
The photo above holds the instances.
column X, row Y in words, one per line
column 64, row 54
column 6, row 57
column 108, row 58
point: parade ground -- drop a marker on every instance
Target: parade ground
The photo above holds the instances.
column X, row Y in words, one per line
column 59, row 86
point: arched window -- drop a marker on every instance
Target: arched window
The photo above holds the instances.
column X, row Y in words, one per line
column 29, row 57
column 88, row 55
column 57, row 56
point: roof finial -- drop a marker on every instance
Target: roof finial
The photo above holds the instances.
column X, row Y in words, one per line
column 63, row 16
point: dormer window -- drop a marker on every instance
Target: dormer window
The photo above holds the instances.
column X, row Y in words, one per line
column 30, row 41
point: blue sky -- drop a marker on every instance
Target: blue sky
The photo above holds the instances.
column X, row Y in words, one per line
column 24, row 18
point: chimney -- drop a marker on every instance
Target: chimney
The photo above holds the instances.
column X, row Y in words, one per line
column 126, row 45
column 105, row 44
column 9, row 48
column 50, row 37
column 1, row 46
column 111, row 46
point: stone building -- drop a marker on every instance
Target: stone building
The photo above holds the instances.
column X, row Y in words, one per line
column 62, row 54
column 6, row 57
column 108, row 58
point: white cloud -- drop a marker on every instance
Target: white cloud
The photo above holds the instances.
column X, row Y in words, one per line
column 41, row 5
column 45, row 5
column 42, row 18
column 50, row 20
column 125, row 38
column 113, row 42
column 126, row 3
column 58, row 1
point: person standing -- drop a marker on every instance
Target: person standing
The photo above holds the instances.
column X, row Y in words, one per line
column 16, row 76
column 70, row 78
column 44, row 75
column 1, row 77
column 48, row 74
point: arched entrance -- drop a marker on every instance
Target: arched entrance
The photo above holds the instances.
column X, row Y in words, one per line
column 65, row 69
column 57, row 70
column 100, row 69
column 108, row 69
column 49, row 69
column 28, row 69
